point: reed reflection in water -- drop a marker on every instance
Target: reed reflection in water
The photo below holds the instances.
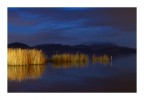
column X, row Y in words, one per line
column 21, row 73
column 103, row 59
column 73, row 64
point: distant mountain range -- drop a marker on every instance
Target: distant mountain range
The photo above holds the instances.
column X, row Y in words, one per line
column 102, row 48
column 18, row 45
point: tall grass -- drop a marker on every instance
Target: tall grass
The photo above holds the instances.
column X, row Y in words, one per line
column 67, row 57
column 104, row 59
column 21, row 73
column 25, row 56
column 33, row 56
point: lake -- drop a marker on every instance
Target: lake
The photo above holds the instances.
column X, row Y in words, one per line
column 118, row 75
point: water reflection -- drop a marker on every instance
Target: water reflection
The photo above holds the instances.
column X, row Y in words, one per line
column 103, row 59
column 21, row 73
column 73, row 64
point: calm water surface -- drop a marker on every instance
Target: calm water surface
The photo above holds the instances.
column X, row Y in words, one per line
column 119, row 75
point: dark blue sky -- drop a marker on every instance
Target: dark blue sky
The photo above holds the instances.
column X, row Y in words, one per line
column 72, row 25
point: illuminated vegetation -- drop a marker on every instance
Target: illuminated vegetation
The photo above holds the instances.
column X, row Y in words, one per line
column 101, row 59
column 60, row 63
column 67, row 57
column 34, row 56
column 21, row 73
column 25, row 56
column 28, row 63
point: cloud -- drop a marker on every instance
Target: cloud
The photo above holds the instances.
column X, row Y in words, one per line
column 120, row 18
column 71, row 25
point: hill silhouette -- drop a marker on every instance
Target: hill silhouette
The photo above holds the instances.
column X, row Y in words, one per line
column 105, row 48
column 17, row 45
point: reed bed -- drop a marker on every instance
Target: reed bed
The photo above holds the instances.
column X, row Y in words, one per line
column 67, row 57
column 33, row 56
column 25, row 56
column 104, row 59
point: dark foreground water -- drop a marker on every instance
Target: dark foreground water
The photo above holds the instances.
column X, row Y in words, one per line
column 116, row 76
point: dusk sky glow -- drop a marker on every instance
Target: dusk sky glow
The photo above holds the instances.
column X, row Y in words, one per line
column 72, row 25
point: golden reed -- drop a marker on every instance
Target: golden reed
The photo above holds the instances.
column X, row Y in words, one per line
column 104, row 59
column 67, row 57
column 25, row 56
